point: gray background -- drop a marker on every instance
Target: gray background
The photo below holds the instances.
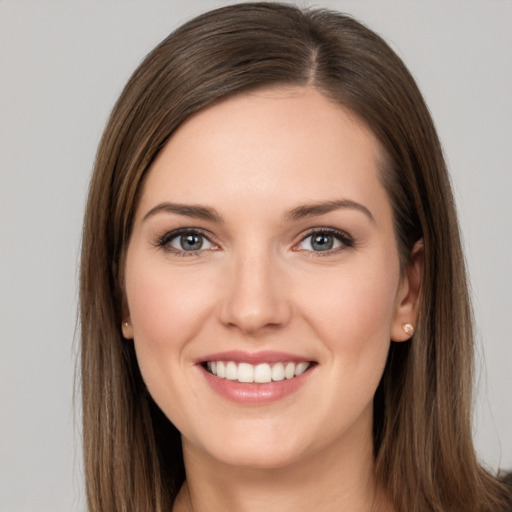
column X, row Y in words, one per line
column 63, row 64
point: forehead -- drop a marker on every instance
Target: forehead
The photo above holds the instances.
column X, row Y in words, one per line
column 278, row 144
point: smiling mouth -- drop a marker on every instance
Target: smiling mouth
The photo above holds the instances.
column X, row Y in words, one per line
column 261, row 373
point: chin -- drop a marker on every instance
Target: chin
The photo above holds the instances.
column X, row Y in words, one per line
column 256, row 458
column 261, row 448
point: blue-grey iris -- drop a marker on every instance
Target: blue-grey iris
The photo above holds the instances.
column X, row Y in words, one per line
column 191, row 242
column 321, row 242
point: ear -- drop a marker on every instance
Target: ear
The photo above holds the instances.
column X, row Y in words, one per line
column 406, row 300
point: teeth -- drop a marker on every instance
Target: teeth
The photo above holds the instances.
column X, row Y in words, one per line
column 260, row 373
column 263, row 373
column 278, row 372
column 221, row 370
column 245, row 372
column 289, row 371
column 231, row 371
column 301, row 368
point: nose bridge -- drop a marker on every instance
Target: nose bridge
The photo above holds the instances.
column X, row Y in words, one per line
column 254, row 297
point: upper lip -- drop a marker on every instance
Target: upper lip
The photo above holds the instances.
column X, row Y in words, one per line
column 240, row 356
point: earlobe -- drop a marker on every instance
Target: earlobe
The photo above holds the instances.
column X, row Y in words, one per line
column 407, row 300
column 126, row 324
column 127, row 330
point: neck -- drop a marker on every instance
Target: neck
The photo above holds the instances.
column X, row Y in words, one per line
column 338, row 478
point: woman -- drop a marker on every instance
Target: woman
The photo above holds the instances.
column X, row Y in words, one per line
column 273, row 300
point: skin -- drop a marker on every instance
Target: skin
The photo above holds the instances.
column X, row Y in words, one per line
column 258, row 284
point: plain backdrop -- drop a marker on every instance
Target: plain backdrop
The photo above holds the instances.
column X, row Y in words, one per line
column 62, row 66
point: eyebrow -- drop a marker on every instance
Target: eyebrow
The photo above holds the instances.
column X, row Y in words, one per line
column 187, row 210
column 327, row 206
column 300, row 212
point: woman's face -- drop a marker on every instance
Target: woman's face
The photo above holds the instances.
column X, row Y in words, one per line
column 263, row 247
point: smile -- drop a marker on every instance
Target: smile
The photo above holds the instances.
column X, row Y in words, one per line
column 255, row 378
column 261, row 373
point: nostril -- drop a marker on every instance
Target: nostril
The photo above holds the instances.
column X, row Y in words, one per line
column 254, row 320
column 252, row 300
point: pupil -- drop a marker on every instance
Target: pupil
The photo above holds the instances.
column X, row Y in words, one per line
column 322, row 242
column 191, row 242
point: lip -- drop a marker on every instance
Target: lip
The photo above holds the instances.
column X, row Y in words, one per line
column 254, row 393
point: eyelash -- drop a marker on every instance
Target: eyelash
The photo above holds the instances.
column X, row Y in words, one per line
column 344, row 238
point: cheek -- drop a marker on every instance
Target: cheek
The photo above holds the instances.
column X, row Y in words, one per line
column 354, row 311
column 167, row 310
column 164, row 306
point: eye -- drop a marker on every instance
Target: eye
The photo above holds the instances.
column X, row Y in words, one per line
column 186, row 241
column 326, row 240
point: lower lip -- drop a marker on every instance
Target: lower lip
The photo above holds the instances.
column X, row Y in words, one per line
column 255, row 393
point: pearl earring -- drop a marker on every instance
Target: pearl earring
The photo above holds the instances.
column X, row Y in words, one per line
column 408, row 329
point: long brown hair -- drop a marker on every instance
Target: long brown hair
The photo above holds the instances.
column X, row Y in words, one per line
column 423, row 448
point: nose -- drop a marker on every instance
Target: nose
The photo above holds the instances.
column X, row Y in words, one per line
column 254, row 299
